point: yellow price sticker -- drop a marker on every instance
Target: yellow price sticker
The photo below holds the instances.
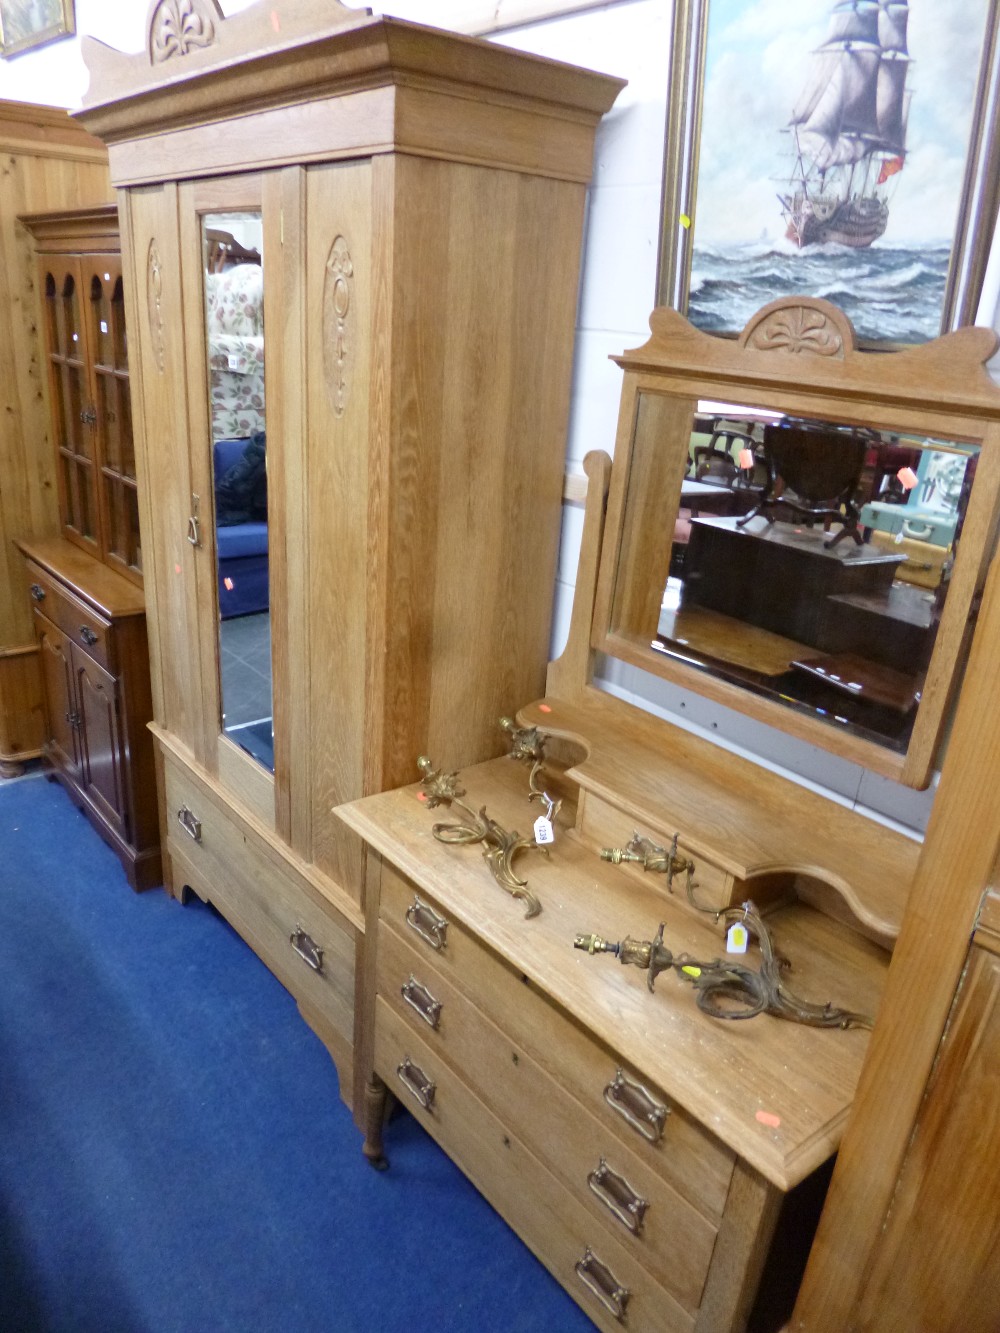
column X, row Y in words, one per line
column 692, row 971
column 685, row 221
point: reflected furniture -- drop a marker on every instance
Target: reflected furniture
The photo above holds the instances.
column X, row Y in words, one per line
column 85, row 585
column 49, row 163
column 420, row 198
column 244, row 588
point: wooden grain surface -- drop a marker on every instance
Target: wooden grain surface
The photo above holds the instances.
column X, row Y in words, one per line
column 721, row 1073
column 743, row 817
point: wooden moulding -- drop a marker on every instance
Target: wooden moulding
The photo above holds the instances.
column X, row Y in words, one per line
column 70, row 231
column 360, row 84
column 45, row 131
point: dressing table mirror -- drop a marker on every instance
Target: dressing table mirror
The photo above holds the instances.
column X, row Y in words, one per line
column 802, row 537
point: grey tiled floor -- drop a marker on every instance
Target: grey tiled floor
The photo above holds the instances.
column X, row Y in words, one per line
column 245, row 643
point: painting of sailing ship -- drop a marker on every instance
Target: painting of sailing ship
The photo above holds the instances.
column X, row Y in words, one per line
column 834, row 136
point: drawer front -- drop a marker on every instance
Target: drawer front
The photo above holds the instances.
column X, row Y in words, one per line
column 309, row 949
column 581, row 1255
column 669, row 1141
column 666, row 1234
column 89, row 631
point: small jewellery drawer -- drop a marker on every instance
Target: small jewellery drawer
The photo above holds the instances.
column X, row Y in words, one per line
column 662, row 1135
column 598, row 1271
column 623, row 1193
column 309, row 948
column 84, row 626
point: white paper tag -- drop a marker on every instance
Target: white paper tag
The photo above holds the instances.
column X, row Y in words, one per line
column 736, row 938
column 544, row 833
column 104, row 326
column 234, row 361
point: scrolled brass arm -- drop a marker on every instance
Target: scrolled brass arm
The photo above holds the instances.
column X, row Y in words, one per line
column 499, row 846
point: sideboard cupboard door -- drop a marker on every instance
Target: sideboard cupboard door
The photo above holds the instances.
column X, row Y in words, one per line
column 100, row 740
column 57, row 674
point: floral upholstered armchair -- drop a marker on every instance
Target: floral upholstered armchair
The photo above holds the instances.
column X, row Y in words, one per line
column 235, row 300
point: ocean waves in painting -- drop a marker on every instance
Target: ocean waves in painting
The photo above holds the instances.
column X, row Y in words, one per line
column 890, row 293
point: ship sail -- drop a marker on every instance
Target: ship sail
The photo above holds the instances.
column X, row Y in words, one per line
column 848, row 124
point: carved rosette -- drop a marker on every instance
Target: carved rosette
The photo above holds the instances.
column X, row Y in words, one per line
column 796, row 328
column 338, row 290
column 177, row 27
column 154, row 303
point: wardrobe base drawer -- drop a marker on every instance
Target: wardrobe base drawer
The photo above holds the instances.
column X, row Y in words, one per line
column 310, row 949
column 596, row 1270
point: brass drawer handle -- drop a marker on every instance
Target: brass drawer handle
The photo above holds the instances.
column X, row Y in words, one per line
column 617, row 1194
column 418, row 997
column 37, row 592
column 88, row 635
column 603, row 1283
column 417, row 1083
column 306, row 948
column 426, row 922
column 636, row 1105
column 189, row 823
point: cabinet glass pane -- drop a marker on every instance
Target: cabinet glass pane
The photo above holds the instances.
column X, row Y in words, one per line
column 71, row 340
column 100, row 322
column 118, row 331
column 234, row 311
column 123, row 520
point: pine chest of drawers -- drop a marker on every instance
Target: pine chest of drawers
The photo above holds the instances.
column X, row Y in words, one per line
column 640, row 1148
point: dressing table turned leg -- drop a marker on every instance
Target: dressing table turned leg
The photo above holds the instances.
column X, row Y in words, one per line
column 376, row 1110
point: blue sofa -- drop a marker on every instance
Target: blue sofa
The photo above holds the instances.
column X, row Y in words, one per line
column 242, row 548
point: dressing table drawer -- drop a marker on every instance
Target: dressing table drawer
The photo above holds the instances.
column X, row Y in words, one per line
column 308, row 949
column 602, row 1173
column 638, row 1116
column 80, row 623
column 581, row 1253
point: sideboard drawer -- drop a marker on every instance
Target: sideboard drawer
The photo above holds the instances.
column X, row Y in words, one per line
column 672, row 1143
column 84, row 626
column 308, row 947
column 580, row 1253
column 592, row 1160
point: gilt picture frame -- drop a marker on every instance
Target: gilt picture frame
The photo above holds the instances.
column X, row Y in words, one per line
column 26, row 24
column 761, row 158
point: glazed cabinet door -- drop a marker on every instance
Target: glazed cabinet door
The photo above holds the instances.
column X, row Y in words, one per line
column 73, row 409
column 100, row 739
column 101, row 276
column 56, row 655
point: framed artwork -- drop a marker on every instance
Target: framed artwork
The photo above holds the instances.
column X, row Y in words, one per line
column 846, row 149
column 28, row 23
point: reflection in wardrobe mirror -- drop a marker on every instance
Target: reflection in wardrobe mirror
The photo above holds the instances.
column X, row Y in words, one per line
column 234, row 308
column 809, row 560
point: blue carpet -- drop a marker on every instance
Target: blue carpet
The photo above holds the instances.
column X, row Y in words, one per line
column 174, row 1156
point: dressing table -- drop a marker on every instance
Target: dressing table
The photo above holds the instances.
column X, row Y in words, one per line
column 653, row 1155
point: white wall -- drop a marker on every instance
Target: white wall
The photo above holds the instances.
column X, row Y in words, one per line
column 629, row 38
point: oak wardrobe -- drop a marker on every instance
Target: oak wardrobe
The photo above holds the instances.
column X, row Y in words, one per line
column 395, row 214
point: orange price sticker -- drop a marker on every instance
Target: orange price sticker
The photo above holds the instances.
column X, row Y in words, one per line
column 769, row 1118
column 275, row 21
column 177, row 569
column 421, row 796
column 544, row 708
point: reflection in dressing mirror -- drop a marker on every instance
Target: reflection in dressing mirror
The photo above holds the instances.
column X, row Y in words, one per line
column 235, row 326
column 810, row 560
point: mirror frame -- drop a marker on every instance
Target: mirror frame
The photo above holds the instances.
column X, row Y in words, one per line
column 798, row 355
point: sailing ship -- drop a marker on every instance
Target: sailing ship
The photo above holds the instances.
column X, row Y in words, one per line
column 849, row 127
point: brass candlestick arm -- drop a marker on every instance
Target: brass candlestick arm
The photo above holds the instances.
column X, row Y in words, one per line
column 499, row 846
column 661, row 860
column 725, row 989
column 527, row 744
